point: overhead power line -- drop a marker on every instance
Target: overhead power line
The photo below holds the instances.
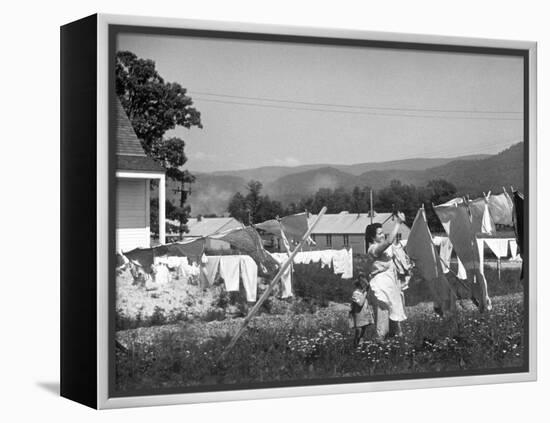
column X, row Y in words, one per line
column 349, row 106
column 428, row 116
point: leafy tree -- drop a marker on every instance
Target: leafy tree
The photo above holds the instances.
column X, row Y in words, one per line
column 438, row 191
column 238, row 208
column 399, row 197
column 155, row 106
column 154, row 215
column 254, row 207
column 254, row 200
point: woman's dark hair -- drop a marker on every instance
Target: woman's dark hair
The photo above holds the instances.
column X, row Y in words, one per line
column 370, row 232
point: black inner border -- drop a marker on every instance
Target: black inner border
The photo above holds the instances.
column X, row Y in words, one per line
column 115, row 30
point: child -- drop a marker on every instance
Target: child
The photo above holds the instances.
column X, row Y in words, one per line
column 360, row 315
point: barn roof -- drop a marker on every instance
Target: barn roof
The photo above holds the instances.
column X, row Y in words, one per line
column 352, row 223
column 130, row 153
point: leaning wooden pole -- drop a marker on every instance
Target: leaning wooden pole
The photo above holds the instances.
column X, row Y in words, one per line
column 266, row 293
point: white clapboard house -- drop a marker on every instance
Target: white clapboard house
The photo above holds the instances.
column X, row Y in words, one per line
column 134, row 171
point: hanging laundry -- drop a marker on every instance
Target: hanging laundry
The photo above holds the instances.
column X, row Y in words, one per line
column 144, row 257
column 161, row 275
column 229, row 271
column 480, row 217
column 348, row 267
column 461, row 270
column 403, row 265
column 518, row 224
column 326, row 257
column 249, row 276
column 500, row 207
column 342, row 262
column 487, row 224
column 513, row 249
column 210, row 270
column 445, row 251
column 286, row 277
column 160, row 259
column 175, row 262
column 192, row 249
column 121, row 261
column 248, row 241
column 456, row 222
column 499, row 246
column 294, row 227
column 421, row 251
column 518, row 221
column 481, row 251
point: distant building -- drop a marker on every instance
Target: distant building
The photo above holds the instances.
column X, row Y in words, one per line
column 134, row 171
column 348, row 230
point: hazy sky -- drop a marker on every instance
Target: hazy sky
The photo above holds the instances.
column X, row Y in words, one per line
column 272, row 103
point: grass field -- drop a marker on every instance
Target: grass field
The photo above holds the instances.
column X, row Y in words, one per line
column 309, row 345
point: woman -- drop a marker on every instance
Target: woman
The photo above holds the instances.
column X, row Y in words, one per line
column 385, row 286
column 360, row 315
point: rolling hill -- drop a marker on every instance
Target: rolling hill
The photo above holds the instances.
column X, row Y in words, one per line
column 470, row 174
column 269, row 174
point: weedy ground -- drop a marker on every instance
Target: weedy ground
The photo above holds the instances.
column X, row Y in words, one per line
column 309, row 338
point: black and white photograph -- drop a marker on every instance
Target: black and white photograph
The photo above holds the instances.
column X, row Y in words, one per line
column 297, row 211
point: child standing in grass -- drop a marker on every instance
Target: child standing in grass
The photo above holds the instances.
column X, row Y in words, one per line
column 360, row 315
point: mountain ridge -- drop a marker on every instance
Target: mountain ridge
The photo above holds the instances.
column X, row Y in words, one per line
column 470, row 174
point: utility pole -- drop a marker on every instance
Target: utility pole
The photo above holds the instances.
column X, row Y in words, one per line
column 183, row 197
column 371, row 208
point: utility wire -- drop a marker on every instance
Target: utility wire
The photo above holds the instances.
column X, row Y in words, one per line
column 402, row 109
column 273, row 106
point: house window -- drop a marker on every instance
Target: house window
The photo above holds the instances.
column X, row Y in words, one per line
column 313, row 238
column 329, row 240
column 346, row 240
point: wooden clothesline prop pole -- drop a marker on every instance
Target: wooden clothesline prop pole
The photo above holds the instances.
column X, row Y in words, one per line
column 266, row 293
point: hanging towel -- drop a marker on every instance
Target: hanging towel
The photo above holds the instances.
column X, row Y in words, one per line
column 500, row 207
column 499, row 246
column 249, row 275
column 229, row 271
column 210, row 269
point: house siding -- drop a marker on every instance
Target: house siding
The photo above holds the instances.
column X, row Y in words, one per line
column 132, row 214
